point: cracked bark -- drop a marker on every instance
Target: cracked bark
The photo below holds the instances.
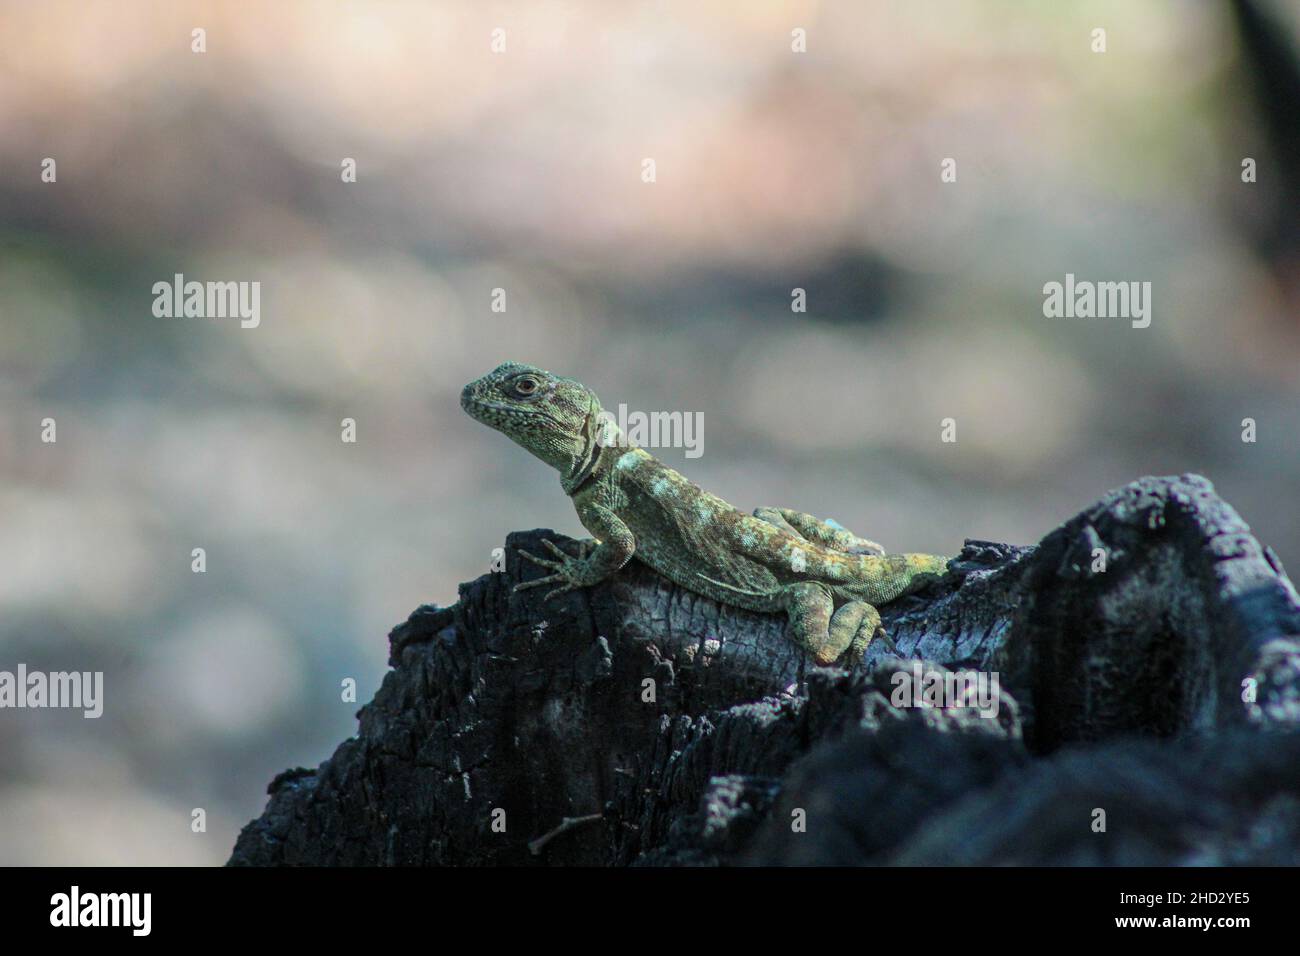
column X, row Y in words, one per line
column 1122, row 688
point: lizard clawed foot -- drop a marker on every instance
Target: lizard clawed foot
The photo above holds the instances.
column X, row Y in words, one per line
column 568, row 569
column 858, row 649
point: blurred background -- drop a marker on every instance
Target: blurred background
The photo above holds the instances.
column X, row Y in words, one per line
column 522, row 170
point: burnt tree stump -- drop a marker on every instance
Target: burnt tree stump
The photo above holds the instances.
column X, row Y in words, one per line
column 1148, row 655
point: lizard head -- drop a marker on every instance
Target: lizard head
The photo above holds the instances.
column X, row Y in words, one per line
column 554, row 418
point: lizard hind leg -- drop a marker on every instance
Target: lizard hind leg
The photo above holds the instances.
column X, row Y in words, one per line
column 827, row 633
column 829, row 534
column 809, row 605
column 854, row 625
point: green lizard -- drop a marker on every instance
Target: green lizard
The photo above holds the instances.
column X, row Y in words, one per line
column 827, row 580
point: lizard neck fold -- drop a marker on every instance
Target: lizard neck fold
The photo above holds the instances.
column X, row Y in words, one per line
column 593, row 455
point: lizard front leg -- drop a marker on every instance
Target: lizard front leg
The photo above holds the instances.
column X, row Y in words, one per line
column 615, row 545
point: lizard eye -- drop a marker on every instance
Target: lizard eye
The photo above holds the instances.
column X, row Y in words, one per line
column 526, row 385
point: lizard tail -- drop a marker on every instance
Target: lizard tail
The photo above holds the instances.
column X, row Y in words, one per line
column 887, row 577
column 890, row 576
column 927, row 563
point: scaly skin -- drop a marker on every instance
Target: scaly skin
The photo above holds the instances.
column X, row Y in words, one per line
column 826, row 579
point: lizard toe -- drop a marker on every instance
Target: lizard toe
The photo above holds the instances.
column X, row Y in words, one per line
column 538, row 582
column 540, row 562
column 554, row 548
column 562, row 589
